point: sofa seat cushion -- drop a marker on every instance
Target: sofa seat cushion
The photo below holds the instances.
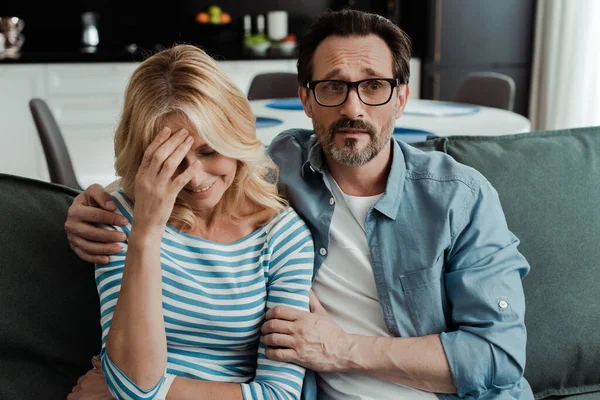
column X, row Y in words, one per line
column 48, row 300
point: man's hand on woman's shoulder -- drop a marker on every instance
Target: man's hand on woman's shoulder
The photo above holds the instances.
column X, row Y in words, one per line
column 92, row 243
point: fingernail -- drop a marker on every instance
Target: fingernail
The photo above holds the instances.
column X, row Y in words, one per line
column 123, row 221
column 189, row 139
column 182, row 133
column 96, row 358
column 110, row 204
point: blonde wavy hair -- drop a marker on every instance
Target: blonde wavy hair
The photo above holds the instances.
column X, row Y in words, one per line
column 185, row 80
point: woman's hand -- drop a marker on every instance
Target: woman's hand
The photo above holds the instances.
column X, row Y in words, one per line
column 156, row 183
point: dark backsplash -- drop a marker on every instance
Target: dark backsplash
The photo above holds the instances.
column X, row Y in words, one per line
column 135, row 21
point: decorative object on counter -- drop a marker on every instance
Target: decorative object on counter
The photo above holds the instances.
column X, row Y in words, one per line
column 259, row 43
column 277, row 25
column 286, row 46
column 90, row 37
column 213, row 15
column 12, row 38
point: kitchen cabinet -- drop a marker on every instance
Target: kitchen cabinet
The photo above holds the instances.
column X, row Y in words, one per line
column 86, row 100
column 20, row 149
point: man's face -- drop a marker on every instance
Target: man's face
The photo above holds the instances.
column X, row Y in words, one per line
column 353, row 133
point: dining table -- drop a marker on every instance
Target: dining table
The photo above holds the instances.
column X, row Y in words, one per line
column 421, row 119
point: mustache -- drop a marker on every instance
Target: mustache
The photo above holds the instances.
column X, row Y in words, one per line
column 352, row 124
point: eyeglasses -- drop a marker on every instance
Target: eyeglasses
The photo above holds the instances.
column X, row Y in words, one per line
column 372, row 92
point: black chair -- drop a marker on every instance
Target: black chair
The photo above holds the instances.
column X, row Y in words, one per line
column 56, row 152
column 489, row 89
column 273, row 85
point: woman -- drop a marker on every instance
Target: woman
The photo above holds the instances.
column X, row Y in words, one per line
column 210, row 244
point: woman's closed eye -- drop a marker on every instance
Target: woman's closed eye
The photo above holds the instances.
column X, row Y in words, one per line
column 205, row 151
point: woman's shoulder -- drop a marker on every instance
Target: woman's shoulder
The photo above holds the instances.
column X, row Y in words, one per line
column 123, row 203
column 287, row 223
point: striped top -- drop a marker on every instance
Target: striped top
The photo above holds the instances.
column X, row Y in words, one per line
column 215, row 297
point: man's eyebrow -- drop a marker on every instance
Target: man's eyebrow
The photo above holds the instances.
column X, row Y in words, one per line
column 331, row 74
column 372, row 72
column 334, row 73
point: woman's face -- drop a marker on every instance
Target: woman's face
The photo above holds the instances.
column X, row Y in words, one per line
column 213, row 174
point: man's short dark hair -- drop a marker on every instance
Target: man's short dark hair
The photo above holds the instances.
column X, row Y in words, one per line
column 346, row 23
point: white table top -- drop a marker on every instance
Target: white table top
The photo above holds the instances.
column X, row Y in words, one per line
column 468, row 120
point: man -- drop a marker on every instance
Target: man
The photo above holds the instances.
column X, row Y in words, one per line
column 417, row 286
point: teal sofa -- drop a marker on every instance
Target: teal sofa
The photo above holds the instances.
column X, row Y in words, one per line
column 549, row 186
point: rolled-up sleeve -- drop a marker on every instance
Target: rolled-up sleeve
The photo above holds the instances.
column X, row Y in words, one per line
column 290, row 273
column 487, row 350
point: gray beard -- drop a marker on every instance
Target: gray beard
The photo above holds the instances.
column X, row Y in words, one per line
column 349, row 155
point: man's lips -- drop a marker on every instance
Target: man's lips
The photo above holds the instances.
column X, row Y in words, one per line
column 351, row 131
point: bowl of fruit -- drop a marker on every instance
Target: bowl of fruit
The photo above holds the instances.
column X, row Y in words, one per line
column 214, row 15
column 258, row 44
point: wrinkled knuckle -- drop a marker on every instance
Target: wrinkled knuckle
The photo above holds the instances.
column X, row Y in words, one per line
column 171, row 164
column 157, row 157
column 277, row 312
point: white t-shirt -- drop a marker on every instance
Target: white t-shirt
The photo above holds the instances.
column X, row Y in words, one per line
column 345, row 285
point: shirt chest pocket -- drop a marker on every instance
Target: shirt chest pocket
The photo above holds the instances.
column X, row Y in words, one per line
column 425, row 296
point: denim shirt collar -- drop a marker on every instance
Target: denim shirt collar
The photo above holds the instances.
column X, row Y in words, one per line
column 315, row 160
column 389, row 203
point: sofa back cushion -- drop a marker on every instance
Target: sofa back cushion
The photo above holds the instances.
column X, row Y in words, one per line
column 48, row 300
column 549, row 187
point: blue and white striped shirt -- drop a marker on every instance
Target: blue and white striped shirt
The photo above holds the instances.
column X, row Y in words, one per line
column 214, row 300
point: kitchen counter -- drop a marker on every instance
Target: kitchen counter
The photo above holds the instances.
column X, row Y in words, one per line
column 119, row 55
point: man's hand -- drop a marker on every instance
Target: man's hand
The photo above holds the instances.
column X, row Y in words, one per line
column 312, row 340
column 91, row 386
column 91, row 243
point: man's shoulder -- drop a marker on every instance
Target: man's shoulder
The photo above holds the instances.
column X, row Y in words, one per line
column 438, row 166
column 291, row 141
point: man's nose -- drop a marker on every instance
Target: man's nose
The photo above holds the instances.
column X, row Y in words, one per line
column 353, row 108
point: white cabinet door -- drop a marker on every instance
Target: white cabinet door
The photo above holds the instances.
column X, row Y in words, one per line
column 20, row 147
column 87, row 100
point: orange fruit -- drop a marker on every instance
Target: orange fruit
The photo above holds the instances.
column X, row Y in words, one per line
column 202, row 18
column 225, row 18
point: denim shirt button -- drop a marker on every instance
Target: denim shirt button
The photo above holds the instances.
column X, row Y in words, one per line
column 331, row 201
column 503, row 304
column 323, row 251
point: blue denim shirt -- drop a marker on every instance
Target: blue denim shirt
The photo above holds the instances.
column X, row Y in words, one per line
column 443, row 259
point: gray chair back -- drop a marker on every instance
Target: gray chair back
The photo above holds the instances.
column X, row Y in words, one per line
column 56, row 152
column 273, row 85
column 489, row 89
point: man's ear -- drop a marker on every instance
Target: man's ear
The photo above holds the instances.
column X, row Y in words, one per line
column 403, row 93
column 303, row 94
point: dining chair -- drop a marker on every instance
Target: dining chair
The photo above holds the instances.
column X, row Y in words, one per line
column 273, row 85
column 55, row 150
column 489, row 89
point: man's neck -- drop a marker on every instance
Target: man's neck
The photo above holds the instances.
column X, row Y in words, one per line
column 369, row 179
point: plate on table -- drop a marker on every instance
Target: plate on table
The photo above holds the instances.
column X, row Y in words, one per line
column 286, row 104
column 267, row 122
column 431, row 108
column 411, row 135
